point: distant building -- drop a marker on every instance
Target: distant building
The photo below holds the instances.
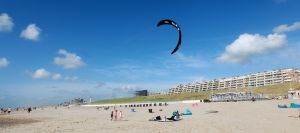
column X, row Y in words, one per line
column 265, row 78
column 141, row 93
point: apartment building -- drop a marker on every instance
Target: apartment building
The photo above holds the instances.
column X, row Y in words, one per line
column 270, row 77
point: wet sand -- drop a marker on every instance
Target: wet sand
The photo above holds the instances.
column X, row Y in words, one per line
column 236, row 117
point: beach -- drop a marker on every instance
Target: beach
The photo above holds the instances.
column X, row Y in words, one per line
column 232, row 117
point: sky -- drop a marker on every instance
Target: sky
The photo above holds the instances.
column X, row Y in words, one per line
column 54, row 51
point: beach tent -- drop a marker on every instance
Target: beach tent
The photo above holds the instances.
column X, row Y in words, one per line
column 294, row 105
column 187, row 112
column 282, row 106
column 133, row 110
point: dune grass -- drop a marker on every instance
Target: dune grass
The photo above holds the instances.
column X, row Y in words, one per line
column 271, row 91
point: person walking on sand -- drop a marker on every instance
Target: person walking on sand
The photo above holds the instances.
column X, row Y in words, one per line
column 112, row 115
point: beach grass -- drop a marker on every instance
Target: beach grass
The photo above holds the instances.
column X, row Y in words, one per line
column 272, row 91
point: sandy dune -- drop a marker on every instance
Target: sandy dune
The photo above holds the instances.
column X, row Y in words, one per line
column 239, row 117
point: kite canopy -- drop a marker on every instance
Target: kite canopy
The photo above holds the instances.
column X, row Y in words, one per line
column 171, row 22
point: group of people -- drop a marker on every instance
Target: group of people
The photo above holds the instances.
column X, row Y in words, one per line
column 116, row 115
column 175, row 117
column 8, row 110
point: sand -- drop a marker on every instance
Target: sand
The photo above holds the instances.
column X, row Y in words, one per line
column 233, row 117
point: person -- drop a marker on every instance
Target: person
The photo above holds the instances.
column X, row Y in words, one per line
column 112, row 115
column 116, row 114
column 9, row 110
column 29, row 110
column 253, row 99
column 172, row 118
column 121, row 115
column 177, row 115
column 157, row 118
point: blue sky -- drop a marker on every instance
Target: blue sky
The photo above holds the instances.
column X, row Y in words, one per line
column 53, row 51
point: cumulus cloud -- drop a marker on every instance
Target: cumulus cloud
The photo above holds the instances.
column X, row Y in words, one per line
column 44, row 74
column 69, row 61
column 6, row 23
column 32, row 32
column 285, row 28
column 4, row 62
column 41, row 74
column 248, row 45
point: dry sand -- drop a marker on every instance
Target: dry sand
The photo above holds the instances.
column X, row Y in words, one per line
column 239, row 117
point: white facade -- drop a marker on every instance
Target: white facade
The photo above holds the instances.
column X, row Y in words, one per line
column 251, row 80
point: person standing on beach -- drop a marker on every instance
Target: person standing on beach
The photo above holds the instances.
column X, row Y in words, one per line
column 121, row 115
column 9, row 110
column 112, row 115
column 116, row 114
column 29, row 110
column 177, row 115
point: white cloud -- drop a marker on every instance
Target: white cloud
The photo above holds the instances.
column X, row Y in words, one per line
column 32, row 32
column 41, row 74
column 44, row 74
column 285, row 28
column 4, row 62
column 248, row 45
column 6, row 23
column 69, row 61
column 56, row 76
